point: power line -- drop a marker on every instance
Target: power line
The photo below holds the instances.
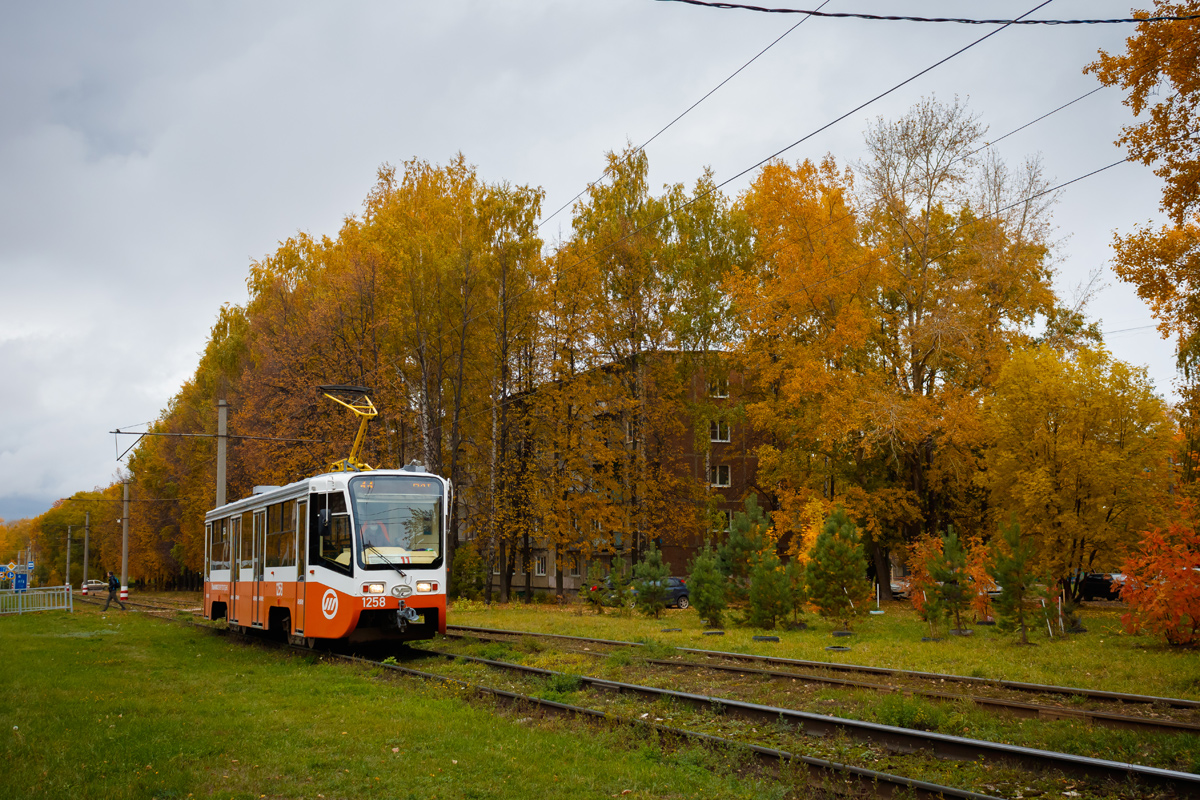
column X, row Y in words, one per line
column 775, row 155
column 217, row 435
column 956, row 20
column 686, row 111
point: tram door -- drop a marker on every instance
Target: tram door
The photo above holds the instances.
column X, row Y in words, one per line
column 260, row 552
column 235, row 559
column 301, row 560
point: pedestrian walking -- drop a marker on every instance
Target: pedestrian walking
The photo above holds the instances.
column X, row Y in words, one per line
column 113, row 585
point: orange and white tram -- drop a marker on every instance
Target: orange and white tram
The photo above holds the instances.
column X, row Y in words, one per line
column 354, row 556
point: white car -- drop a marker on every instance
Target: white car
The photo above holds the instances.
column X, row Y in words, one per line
column 94, row 586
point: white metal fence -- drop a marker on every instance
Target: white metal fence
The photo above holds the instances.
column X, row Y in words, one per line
column 43, row 598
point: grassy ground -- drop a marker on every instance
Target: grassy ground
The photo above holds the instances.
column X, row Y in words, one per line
column 1102, row 658
column 120, row 706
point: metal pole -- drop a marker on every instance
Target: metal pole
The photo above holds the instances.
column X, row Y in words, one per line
column 87, row 523
column 68, row 558
column 222, row 437
column 125, row 544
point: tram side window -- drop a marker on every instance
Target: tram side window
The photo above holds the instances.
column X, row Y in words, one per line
column 281, row 534
column 329, row 547
column 246, row 547
column 219, row 545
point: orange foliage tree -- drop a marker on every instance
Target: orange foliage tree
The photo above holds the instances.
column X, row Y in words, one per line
column 1162, row 581
column 920, row 582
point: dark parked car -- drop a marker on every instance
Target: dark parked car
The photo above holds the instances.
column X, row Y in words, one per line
column 676, row 594
column 1101, row 586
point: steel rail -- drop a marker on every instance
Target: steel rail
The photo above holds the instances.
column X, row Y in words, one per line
column 882, row 783
column 902, row 740
column 1037, row 688
column 996, row 704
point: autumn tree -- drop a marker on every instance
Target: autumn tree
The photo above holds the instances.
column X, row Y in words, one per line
column 920, row 554
column 1078, row 454
column 1160, row 74
column 876, row 312
column 979, row 558
column 961, row 252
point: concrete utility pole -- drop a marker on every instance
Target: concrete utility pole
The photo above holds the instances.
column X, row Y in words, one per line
column 222, row 436
column 125, row 544
column 68, row 558
column 87, row 522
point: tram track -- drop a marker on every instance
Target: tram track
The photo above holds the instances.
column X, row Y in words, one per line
column 836, row 776
column 891, row 738
column 873, row 782
column 1003, row 698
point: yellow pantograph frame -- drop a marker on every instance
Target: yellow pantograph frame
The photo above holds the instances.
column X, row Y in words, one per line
column 365, row 410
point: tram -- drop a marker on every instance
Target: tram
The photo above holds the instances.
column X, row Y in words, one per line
column 356, row 554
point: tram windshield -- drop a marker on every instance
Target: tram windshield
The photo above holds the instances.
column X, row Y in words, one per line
column 398, row 521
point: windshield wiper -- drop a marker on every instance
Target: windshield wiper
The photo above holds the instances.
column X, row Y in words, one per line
column 385, row 559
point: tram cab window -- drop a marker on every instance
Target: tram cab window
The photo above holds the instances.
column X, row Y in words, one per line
column 400, row 521
column 329, row 541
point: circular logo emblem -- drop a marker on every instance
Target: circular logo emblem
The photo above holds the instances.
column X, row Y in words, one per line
column 329, row 604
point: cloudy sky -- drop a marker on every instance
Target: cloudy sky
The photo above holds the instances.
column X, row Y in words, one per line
column 149, row 151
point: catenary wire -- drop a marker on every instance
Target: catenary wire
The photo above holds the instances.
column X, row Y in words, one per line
column 685, row 112
column 771, row 157
column 957, row 20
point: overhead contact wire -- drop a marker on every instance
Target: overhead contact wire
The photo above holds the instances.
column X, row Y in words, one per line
column 686, row 111
column 956, row 20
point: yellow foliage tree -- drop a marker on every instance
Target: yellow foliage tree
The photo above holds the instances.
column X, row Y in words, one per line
column 1079, row 454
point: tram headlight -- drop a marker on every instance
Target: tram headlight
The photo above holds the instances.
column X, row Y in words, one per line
column 427, row 586
column 372, row 588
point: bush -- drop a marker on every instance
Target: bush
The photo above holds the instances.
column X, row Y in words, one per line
column 706, row 587
column 595, row 591
column 468, row 576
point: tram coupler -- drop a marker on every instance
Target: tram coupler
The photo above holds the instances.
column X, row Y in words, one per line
column 405, row 615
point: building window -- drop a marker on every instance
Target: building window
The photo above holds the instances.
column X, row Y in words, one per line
column 574, row 568
column 719, row 388
column 719, row 475
column 718, row 431
column 539, row 565
column 723, row 522
column 496, row 567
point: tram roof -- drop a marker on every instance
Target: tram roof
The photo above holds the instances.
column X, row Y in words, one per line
column 302, row 487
